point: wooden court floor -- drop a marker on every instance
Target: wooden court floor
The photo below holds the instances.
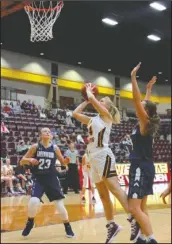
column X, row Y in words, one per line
column 87, row 220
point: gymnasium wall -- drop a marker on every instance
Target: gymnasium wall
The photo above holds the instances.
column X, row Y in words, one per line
column 67, row 73
column 31, row 89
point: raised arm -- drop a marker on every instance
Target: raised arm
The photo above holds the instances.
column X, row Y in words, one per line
column 149, row 87
column 60, row 157
column 141, row 113
column 77, row 113
column 96, row 104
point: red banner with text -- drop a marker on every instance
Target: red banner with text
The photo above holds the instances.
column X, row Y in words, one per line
column 162, row 174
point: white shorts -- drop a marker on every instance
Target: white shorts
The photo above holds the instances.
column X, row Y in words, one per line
column 102, row 165
column 87, row 176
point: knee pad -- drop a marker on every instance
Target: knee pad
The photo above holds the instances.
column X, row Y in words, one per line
column 34, row 201
column 33, row 206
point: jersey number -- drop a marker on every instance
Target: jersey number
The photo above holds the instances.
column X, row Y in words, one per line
column 44, row 164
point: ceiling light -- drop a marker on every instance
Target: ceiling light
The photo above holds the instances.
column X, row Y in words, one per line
column 166, row 80
column 109, row 21
column 160, row 73
column 1, row 43
column 41, row 54
column 154, row 38
column 109, row 70
column 137, row 76
column 79, row 63
column 158, row 6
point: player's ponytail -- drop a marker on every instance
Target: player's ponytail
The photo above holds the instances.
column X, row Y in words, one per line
column 113, row 110
column 154, row 119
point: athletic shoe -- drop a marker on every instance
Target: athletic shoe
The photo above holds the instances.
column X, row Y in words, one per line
column 29, row 226
column 152, row 241
column 93, row 200
column 68, row 229
column 83, row 200
column 113, row 230
column 139, row 240
column 135, row 229
column 20, row 190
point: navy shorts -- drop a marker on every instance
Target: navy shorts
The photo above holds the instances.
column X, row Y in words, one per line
column 141, row 179
column 50, row 185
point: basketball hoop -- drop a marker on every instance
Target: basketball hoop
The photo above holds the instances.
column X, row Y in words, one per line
column 42, row 19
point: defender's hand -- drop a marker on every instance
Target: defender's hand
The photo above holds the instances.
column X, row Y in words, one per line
column 134, row 71
column 151, row 82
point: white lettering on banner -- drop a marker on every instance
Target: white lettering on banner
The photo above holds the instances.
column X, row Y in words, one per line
column 124, row 179
column 160, row 178
column 123, row 169
column 161, row 171
column 121, row 180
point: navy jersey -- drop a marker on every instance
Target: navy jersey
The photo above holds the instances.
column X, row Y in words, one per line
column 142, row 145
column 47, row 160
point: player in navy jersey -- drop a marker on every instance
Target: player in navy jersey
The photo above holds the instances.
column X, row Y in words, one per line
column 42, row 157
column 142, row 170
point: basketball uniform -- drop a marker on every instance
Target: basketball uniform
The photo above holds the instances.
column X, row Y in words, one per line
column 45, row 178
column 86, row 173
column 101, row 157
column 142, row 169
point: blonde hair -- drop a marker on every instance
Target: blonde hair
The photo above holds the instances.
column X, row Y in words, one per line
column 113, row 110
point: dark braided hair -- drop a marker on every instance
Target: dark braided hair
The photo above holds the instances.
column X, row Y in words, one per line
column 154, row 119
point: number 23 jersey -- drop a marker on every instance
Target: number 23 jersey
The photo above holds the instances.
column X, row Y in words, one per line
column 99, row 134
column 47, row 160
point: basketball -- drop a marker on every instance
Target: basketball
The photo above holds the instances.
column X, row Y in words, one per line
column 83, row 90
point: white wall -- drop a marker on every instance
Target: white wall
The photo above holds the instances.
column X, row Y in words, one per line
column 25, row 63
column 42, row 66
column 126, row 103
column 24, row 97
column 161, row 108
column 38, row 100
column 75, row 73
column 106, row 79
column 30, row 88
column 71, row 93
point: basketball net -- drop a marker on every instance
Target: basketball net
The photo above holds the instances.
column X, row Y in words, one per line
column 42, row 19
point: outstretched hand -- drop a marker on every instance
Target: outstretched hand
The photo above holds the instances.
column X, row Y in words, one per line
column 151, row 82
column 89, row 87
column 134, row 71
